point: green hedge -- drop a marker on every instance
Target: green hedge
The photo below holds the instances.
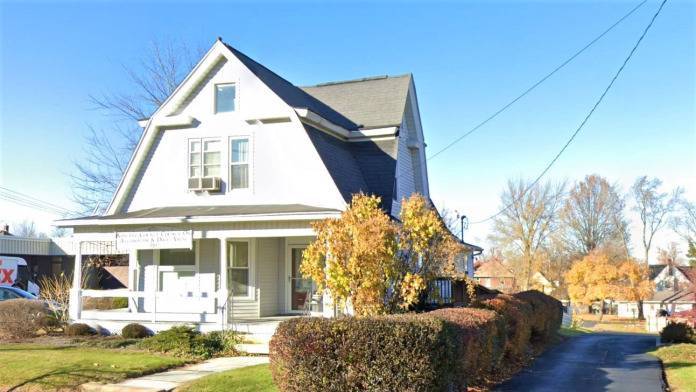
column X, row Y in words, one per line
column 443, row 350
column 390, row 353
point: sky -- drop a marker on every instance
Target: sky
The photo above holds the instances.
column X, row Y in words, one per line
column 468, row 59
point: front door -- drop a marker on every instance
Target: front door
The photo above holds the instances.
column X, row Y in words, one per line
column 300, row 287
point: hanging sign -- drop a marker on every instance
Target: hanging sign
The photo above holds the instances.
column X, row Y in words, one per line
column 170, row 239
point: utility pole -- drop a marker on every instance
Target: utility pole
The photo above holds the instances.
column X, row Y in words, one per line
column 465, row 224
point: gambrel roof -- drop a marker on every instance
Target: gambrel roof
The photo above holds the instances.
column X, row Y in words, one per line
column 371, row 102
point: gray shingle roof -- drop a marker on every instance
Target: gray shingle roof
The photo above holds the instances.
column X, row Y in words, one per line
column 370, row 102
column 355, row 167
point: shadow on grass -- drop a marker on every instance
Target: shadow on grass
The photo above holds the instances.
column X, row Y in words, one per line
column 70, row 377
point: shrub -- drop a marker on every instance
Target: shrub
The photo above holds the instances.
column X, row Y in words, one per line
column 546, row 317
column 481, row 334
column 79, row 329
column 104, row 303
column 226, row 340
column 22, row 318
column 135, row 331
column 186, row 342
column 385, row 353
column 678, row 333
column 518, row 316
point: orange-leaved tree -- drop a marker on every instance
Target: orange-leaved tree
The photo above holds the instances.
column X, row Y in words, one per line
column 593, row 278
column 634, row 283
column 374, row 264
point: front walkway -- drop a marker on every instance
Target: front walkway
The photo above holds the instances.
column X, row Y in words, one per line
column 167, row 381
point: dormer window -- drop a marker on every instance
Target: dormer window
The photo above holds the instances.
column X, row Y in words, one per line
column 225, row 97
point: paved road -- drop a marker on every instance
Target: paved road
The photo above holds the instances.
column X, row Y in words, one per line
column 593, row 362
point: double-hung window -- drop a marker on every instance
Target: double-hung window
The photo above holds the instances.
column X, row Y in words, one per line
column 239, row 163
column 238, row 270
column 204, row 158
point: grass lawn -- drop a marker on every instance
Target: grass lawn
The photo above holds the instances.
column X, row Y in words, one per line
column 248, row 379
column 610, row 323
column 33, row 367
column 573, row 331
column 680, row 366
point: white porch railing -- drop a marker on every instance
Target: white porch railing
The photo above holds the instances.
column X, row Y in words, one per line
column 154, row 306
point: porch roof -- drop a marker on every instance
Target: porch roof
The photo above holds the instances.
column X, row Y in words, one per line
column 206, row 213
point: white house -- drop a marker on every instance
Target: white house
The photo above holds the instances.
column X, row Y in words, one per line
column 215, row 206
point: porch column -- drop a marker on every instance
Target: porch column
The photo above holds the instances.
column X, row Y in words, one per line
column 75, row 305
column 132, row 279
column 223, row 292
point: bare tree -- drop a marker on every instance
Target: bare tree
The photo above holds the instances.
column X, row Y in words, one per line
column 27, row 229
column 592, row 216
column 684, row 223
column 654, row 208
column 525, row 226
column 108, row 151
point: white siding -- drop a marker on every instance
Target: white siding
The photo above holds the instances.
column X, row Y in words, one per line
column 268, row 262
column 285, row 167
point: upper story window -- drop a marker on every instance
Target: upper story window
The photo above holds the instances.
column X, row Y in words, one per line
column 239, row 163
column 225, row 97
column 204, row 158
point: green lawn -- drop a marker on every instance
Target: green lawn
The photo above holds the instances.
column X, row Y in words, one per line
column 34, row 367
column 248, row 379
column 680, row 366
column 573, row 331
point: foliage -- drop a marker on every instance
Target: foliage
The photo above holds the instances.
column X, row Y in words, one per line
column 678, row 333
column 104, row 303
column 691, row 254
column 79, row 329
column 186, row 342
column 55, row 289
column 446, row 349
column 22, row 318
column 634, row 281
column 379, row 353
column 368, row 262
column 256, row 378
column 518, row 317
column 593, row 278
column 64, row 368
column 135, row 331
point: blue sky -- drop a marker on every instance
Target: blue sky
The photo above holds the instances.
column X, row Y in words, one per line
column 468, row 59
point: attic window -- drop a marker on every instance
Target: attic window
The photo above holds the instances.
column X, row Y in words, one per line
column 225, row 96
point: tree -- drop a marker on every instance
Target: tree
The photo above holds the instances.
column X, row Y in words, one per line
column 593, row 278
column 691, row 254
column 95, row 178
column 654, row 208
column 28, row 229
column 592, row 216
column 367, row 261
column 524, row 227
column 635, row 284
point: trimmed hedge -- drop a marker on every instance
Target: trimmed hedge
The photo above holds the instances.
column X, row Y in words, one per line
column 381, row 354
column 678, row 333
column 79, row 329
column 135, row 331
column 186, row 342
column 443, row 350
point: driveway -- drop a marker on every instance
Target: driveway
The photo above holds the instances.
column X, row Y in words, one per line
column 593, row 362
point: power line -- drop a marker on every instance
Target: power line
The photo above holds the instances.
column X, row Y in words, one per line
column 32, row 202
column 587, row 117
column 539, row 82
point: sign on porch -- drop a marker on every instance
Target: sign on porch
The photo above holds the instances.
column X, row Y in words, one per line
column 170, row 239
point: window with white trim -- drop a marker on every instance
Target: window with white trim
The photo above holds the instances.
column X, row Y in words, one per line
column 238, row 268
column 204, row 158
column 225, row 97
column 239, row 163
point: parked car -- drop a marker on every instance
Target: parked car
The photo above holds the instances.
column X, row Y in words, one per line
column 9, row 292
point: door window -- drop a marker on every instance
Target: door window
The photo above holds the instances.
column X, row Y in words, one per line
column 303, row 295
column 238, row 271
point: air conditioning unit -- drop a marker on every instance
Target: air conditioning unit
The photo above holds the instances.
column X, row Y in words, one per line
column 210, row 184
column 194, row 184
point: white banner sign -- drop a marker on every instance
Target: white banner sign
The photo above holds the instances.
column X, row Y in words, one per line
column 170, row 239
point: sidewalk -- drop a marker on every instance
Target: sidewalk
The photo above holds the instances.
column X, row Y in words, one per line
column 167, row 381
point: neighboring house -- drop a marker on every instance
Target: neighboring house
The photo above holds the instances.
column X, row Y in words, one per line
column 216, row 204
column 674, row 291
column 495, row 275
column 540, row 282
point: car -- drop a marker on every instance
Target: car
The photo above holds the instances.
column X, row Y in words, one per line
column 9, row 292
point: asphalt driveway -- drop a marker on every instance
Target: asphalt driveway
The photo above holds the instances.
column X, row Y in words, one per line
column 593, row 362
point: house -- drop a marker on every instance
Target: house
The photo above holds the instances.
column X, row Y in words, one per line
column 540, row 282
column 674, row 292
column 216, row 204
column 495, row 275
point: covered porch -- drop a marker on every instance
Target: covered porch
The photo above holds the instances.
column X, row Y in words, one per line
column 232, row 276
